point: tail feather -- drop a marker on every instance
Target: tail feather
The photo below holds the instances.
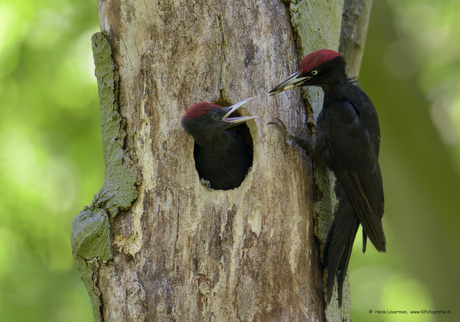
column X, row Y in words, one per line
column 364, row 241
column 339, row 244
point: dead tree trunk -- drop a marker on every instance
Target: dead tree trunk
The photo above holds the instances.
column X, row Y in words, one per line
column 155, row 244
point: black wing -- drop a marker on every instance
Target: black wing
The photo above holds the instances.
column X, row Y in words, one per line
column 353, row 147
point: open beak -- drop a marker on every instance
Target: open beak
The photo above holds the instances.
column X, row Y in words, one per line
column 236, row 120
column 289, row 83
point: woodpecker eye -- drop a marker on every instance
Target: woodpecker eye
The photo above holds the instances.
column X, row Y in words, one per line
column 215, row 117
column 314, row 72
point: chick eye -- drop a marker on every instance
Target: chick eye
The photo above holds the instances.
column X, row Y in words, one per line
column 215, row 117
column 314, row 72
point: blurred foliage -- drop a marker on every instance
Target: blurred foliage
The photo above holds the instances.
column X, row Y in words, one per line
column 51, row 160
column 428, row 33
column 406, row 79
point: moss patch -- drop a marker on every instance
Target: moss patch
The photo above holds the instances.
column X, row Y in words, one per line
column 91, row 231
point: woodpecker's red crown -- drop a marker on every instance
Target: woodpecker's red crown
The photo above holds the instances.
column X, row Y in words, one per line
column 200, row 109
column 317, row 58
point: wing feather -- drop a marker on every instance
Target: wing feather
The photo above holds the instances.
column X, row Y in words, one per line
column 354, row 156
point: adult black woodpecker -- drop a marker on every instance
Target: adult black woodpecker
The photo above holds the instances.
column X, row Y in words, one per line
column 347, row 141
column 222, row 157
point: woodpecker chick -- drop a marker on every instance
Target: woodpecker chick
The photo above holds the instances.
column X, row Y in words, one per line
column 222, row 156
column 347, row 141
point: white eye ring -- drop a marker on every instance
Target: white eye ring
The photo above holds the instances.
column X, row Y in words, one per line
column 314, row 72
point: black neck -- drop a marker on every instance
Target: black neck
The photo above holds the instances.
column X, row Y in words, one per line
column 215, row 142
column 336, row 87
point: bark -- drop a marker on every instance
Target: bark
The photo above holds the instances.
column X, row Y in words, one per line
column 155, row 244
column 355, row 20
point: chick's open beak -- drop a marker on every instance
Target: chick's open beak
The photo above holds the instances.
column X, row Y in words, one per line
column 239, row 119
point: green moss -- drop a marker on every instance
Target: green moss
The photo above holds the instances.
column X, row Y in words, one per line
column 86, row 273
column 91, row 241
column 325, row 207
column 91, row 235
column 91, row 230
column 318, row 25
column 118, row 190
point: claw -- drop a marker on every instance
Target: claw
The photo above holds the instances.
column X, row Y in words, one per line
column 205, row 183
column 288, row 136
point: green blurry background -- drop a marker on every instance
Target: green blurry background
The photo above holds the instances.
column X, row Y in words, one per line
column 51, row 158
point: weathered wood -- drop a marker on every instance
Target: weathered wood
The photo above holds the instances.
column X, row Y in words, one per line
column 355, row 20
column 184, row 252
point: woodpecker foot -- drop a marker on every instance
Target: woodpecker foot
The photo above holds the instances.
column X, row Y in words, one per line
column 288, row 136
column 205, row 183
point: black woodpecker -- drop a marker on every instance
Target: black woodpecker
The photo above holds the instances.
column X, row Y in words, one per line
column 347, row 141
column 222, row 156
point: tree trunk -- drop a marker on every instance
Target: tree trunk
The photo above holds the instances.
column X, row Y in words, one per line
column 156, row 244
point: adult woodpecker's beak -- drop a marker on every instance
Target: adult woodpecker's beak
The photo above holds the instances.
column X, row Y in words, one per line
column 239, row 119
column 289, row 83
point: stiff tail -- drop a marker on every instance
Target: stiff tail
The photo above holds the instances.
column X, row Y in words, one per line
column 339, row 244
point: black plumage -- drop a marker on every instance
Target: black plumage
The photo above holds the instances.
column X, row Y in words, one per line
column 348, row 142
column 222, row 156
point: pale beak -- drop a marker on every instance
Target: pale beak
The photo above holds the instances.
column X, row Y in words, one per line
column 289, row 83
column 239, row 119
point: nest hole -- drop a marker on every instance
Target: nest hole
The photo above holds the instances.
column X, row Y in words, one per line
column 242, row 130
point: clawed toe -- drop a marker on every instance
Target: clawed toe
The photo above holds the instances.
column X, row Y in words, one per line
column 288, row 136
column 205, row 183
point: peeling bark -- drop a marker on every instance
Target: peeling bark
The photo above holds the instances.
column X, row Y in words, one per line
column 182, row 251
column 355, row 20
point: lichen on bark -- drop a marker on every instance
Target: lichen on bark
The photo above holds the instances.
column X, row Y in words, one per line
column 184, row 252
column 91, row 230
column 118, row 190
column 317, row 26
column 91, row 241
